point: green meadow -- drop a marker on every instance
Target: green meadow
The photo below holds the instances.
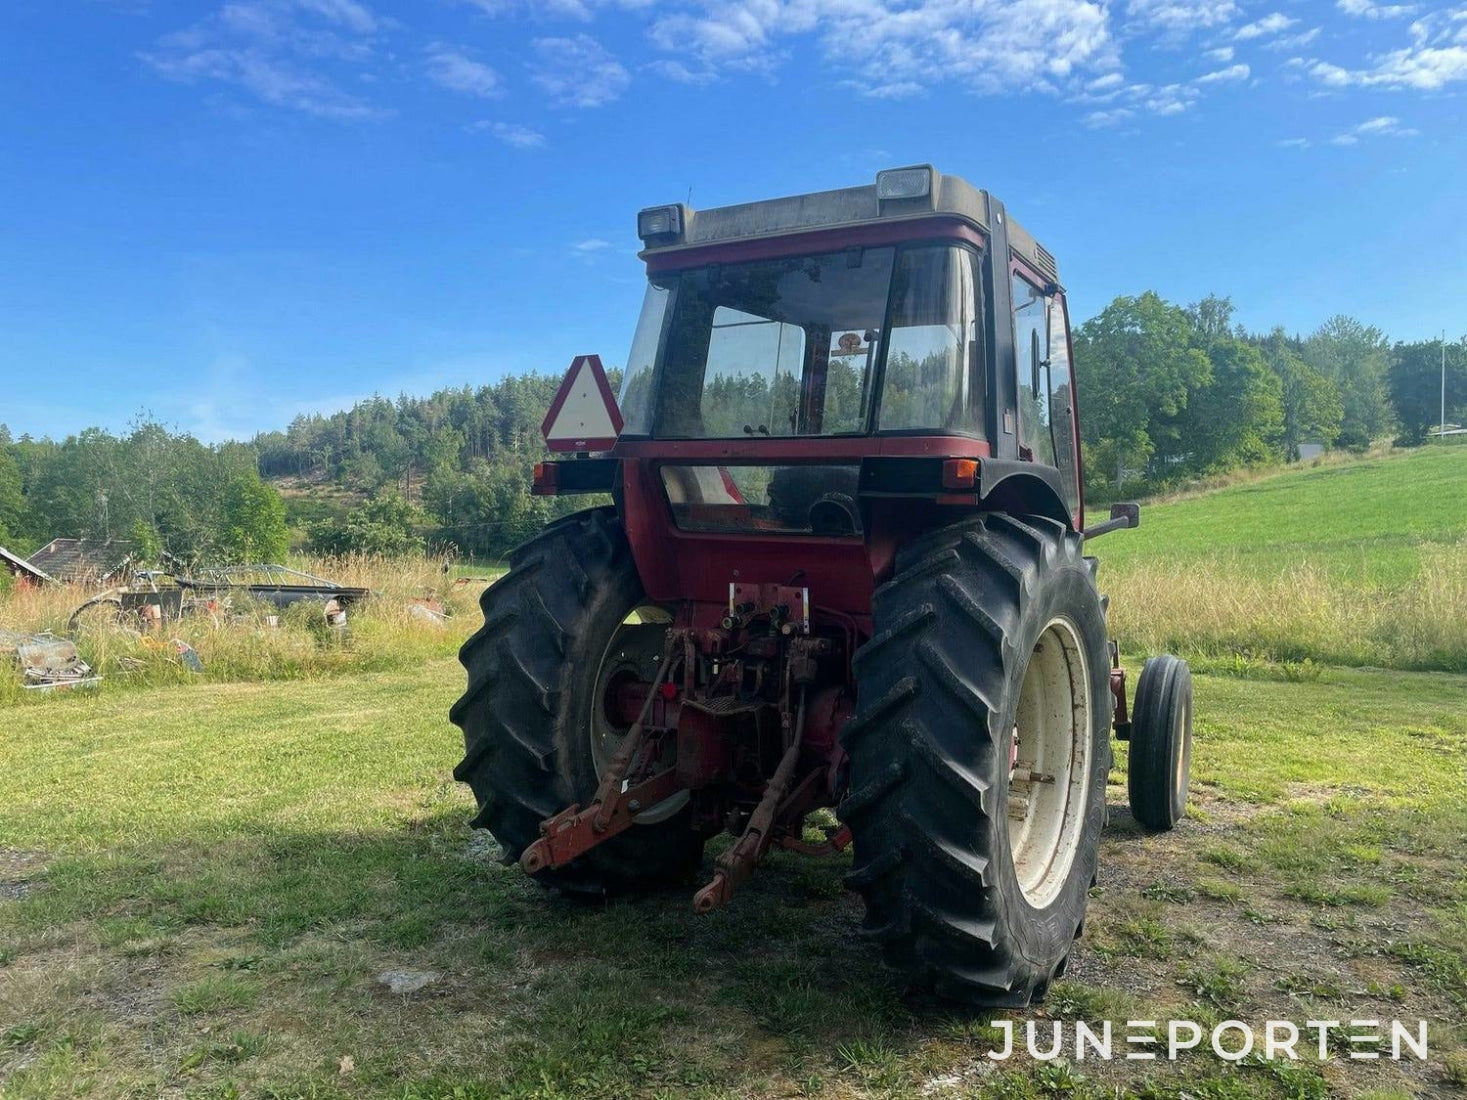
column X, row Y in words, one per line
column 1359, row 563
column 1372, row 521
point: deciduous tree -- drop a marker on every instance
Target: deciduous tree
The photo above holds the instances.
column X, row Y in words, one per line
column 1138, row 368
column 1415, row 385
column 1356, row 358
column 251, row 525
column 1311, row 402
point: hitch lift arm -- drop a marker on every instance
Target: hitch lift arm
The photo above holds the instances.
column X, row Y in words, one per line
column 574, row 831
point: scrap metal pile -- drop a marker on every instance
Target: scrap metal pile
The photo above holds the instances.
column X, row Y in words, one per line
column 158, row 595
column 239, row 593
column 46, row 662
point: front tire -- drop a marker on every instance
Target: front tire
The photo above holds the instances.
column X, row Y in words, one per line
column 556, row 626
column 1158, row 770
column 988, row 664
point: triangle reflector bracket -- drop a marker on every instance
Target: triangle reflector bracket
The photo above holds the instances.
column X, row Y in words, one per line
column 584, row 415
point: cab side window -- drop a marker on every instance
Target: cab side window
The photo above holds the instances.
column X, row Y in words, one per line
column 1062, row 400
column 1031, row 347
column 933, row 374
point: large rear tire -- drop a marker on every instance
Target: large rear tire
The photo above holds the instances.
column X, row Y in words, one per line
column 988, row 664
column 556, row 627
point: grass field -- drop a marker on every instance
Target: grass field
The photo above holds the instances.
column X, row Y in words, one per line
column 202, row 892
column 1362, row 563
column 202, row 881
column 1368, row 521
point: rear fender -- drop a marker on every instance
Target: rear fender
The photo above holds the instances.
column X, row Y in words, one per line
column 997, row 485
column 1023, row 488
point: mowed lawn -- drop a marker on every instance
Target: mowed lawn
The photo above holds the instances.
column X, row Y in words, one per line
column 1369, row 522
column 200, row 886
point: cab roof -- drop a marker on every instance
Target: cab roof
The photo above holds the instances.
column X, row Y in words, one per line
column 873, row 203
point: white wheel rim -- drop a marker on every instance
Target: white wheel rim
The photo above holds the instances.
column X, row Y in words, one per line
column 1049, row 763
column 1184, row 750
column 604, row 736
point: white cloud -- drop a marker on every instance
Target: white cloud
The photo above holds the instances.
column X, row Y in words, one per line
column 1329, row 75
column 887, row 48
column 730, row 32
column 1365, row 9
column 590, row 244
column 683, row 74
column 1436, row 58
column 353, row 16
column 1384, row 126
column 1176, row 19
column 279, row 51
column 1268, row 25
column 1222, row 76
column 1425, row 69
column 1133, row 99
column 564, row 9
column 451, row 68
column 895, row 49
column 1293, row 41
column 1108, row 82
column 578, row 72
column 1099, row 119
column 580, row 10
column 896, row 89
column 1170, row 100
column 512, row 134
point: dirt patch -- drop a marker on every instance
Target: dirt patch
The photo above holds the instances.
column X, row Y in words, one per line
column 17, row 869
column 1158, row 930
column 14, row 862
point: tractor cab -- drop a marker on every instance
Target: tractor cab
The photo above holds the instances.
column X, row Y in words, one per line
column 875, row 320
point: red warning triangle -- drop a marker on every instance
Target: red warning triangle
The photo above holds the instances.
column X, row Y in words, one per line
column 583, row 416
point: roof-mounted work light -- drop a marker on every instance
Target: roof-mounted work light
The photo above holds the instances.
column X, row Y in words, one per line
column 660, row 224
column 904, row 183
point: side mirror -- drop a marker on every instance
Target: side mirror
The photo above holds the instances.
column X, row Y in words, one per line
column 1128, row 511
column 1122, row 515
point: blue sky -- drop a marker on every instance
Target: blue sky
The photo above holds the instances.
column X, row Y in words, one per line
column 228, row 213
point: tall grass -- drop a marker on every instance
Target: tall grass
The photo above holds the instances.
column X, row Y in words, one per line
column 241, row 643
column 1221, row 607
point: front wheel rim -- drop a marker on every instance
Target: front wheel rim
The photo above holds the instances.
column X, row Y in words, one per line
column 1183, row 734
column 1049, row 763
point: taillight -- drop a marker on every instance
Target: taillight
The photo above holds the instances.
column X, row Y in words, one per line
column 960, row 473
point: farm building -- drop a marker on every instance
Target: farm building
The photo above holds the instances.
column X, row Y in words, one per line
column 22, row 570
column 80, row 561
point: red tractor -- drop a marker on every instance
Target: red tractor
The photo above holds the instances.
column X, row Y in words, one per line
column 844, row 567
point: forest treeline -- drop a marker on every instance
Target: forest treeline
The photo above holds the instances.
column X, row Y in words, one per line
column 1168, row 394
column 160, row 489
